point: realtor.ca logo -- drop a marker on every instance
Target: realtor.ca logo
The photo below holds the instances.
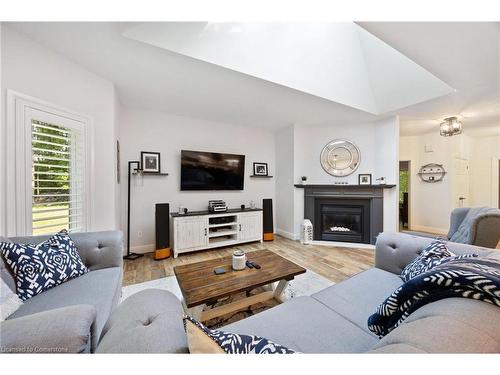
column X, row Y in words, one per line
column 32, row 349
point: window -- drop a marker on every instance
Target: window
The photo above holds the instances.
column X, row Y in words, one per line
column 49, row 176
column 56, row 186
column 57, row 178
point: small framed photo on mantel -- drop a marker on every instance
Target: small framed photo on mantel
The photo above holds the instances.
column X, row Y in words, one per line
column 364, row 179
column 150, row 162
column 260, row 169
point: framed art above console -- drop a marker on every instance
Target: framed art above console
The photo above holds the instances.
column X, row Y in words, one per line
column 150, row 162
column 260, row 169
column 364, row 179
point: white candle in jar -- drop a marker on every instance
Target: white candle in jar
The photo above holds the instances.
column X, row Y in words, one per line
column 239, row 260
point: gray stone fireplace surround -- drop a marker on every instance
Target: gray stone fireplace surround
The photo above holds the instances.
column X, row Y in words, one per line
column 359, row 209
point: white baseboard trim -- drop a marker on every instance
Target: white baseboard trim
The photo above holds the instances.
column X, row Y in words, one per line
column 289, row 235
column 422, row 228
column 142, row 249
column 344, row 244
column 296, row 237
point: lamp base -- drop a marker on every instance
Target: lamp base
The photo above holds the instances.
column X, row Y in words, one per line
column 132, row 256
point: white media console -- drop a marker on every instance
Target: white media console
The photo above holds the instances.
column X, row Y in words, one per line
column 205, row 230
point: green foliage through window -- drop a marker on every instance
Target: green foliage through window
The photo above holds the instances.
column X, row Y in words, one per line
column 51, row 157
column 403, row 184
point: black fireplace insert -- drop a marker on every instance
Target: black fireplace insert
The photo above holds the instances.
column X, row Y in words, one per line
column 343, row 220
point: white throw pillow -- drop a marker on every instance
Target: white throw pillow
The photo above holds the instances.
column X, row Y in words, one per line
column 9, row 301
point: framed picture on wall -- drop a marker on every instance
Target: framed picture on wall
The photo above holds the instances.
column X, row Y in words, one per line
column 150, row 162
column 364, row 179
column 260, row 169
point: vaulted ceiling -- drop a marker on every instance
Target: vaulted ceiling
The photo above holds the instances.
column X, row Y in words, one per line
column 340, row 62
column 423, row 62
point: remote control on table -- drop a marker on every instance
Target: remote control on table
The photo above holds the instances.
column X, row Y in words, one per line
column 253, row 265
column 219, row 271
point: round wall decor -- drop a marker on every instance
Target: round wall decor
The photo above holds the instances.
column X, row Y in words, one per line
column 431, row 172
column 340, row 157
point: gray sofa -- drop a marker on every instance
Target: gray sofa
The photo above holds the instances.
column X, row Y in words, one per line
column 331, row 321
column 335, row 319
column 479, row 226
column 79, row 315
column 71, row 316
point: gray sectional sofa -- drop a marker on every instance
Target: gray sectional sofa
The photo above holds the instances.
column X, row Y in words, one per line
column 334, row 320
column 71, row 316
column 331, row 321
column 79, row 314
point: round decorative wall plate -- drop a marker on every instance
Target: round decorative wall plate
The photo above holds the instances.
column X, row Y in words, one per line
column 431, row 172
column 340, row 157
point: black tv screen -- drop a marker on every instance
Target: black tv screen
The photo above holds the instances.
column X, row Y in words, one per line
column 211, row 171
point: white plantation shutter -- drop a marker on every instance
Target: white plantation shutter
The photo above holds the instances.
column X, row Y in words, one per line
column 58, row 170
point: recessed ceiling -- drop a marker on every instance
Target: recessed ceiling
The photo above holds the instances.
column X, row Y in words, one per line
column 339, row 61
column 466, row 55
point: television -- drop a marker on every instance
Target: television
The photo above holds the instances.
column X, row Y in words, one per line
column 211, row 171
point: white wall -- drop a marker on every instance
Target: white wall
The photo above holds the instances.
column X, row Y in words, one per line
column 485, row 157
column 432, row 203
column 154, row 131
column 31, row 69
column 309, row 141
column 378, row 144
column 285, row 180
column 386, row 156
column 118, row 206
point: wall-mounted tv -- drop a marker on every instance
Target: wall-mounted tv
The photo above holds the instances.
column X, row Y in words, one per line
column 211, row 171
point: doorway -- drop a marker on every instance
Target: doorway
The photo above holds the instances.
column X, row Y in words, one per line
column 404, row 194
column 461, row 182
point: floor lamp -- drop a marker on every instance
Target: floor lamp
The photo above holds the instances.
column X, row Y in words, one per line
column 131, row 256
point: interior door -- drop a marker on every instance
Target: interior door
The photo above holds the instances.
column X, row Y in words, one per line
column 461, row 182
column 192, row 233
column 250, row 226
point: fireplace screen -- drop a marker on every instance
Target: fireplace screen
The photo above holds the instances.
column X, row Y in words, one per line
column 345, row 222
column 341, row 222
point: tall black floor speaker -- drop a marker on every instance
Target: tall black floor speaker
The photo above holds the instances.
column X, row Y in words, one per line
column 267, row 223
column 162, row 230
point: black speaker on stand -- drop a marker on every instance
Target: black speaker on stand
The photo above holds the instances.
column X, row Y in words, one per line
column 162, row 230
column 267, row 223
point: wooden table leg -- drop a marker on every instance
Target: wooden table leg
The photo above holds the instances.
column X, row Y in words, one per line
column 194, row 312
column 280, row 288
column 198, row 312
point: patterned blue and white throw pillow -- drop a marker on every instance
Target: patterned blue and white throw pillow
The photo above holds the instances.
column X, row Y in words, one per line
column 434, row 254
column 43, row 266
column 202, row 340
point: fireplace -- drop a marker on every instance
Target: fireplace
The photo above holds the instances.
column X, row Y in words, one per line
column 345, row 213
column 344, row 220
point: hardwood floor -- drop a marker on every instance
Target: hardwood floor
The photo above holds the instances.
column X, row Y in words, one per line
column 334, row 263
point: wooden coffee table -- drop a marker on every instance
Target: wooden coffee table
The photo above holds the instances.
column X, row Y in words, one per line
column 200, row 285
